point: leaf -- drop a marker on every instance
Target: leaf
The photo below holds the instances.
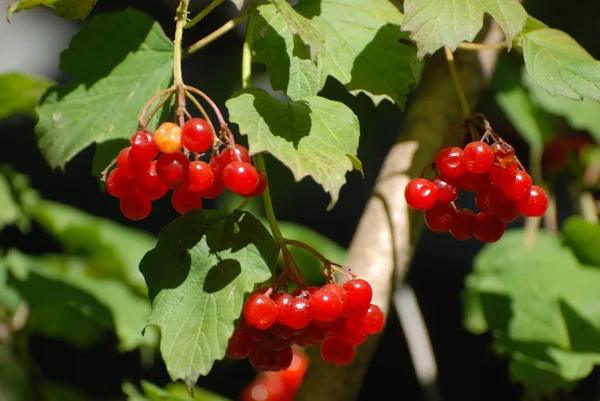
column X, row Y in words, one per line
column 583, row 238
column 15, row 384
column 9, row 298
column 57, row 281
column 118, row 61
column 581, row 115
column 437, row 23
column 560, row 65
column 543, row 308
column 306, row 32
column 20, row 93
column 70, row 9
column 311, row 137
column 366, row 51
column 16, row 198
column 113, row 250
column 203, row 264
column 156, row 393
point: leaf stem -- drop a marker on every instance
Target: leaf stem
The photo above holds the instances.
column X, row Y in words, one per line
column 268, row 203
column 180, row 18
column 464, row 104
column 213, row 4
column 308, row 248
column 481, row 46
column 217, row 33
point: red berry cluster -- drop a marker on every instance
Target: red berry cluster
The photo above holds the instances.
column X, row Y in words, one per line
column 502, row 191
column 338, row 318
column 139, row 178
column 278, row 386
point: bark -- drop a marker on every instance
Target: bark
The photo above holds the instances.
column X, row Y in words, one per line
column 382, row 245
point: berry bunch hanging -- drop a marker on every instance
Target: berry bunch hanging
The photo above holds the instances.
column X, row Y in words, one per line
column 170, row 159
column 503, row 189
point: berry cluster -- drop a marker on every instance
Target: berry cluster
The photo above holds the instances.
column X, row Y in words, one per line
column 157, row 162
column 502, row 191
column 278, row 386
column 338, row 318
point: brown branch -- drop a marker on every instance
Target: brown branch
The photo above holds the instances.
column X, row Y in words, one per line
column 381, row 249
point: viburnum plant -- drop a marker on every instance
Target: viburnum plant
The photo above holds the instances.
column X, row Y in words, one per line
column 222, row 284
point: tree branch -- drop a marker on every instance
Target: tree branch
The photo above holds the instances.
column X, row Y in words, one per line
column 381, row 249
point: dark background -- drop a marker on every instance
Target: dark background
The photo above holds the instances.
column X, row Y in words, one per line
column 468, row 369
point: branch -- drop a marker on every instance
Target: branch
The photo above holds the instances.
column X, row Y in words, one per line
column 381, row 249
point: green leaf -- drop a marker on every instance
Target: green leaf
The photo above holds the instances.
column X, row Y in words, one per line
column 365, row 50
column 173, row 392
column 15, row 384
column 582, row 115
column 16, row 198
column 308, row 35
column 59, row 281
column 203, row 264
column 113, row 250
column 118, row 61
column 438, row 23
column 20, row 93
column 70, row 9
column 311, row 137
column 583, row 238
column 542, row 306
column 560, row 65
column 9, row 298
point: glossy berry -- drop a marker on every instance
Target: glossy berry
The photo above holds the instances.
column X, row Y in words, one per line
column 335, row 351
column 533, row 204
column 338, row 289
column 168, row 138
column 173, row 169
column 216, row 189
column 240, row 177
column 265, row 359
column 151, row 185
column 201, row 176
column 129, row 165
column 463, row 225
column 325, row 305
column 447, row 189
column 218, row 163
column 313, row 335
column 351, row 334
column 489, row 228
column 118, row 185
column 196, row 135
column 500, row 176
column 240, row 344
column 135, row 206
column 143, row 146
column 472, row 182
column 504, row 154
column 478, row 157
column 238, row 153
column 260, row 311
column 489, row 199
column 508, row 212
column 372, row 322
column 293, row 312
column 260, row 187
column 184, row 200
column 292, row 376
column 359, row 298
column 439, row 218
column 450, row 162
column 420, row 194
column 518, row 185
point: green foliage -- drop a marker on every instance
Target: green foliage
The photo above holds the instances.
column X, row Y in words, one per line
column 541, row 305
column 583, row 238
column 437, row 23
column 70, row 9
column 151, row 392
column 197, row 276
column 14, row 380
column 20, row 93
column 560, row 65
column 312, row 137
column 112, row 80
column 364, row 51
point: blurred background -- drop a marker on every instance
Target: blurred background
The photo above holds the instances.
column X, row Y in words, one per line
column 468, row 368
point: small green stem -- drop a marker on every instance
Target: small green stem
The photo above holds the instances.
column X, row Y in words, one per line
column 213, row 4
column 217, row 33
column 180, row 18
column 247, row 48
column 308, row 248
column 481, row 46
column 268, row 203
column 464, row 104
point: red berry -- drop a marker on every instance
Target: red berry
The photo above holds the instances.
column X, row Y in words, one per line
column 260, row 187
column 216, row 189
column 489, row 228
column 240, row 344
column 184, row 200
column 508, row 212
column 135, row 206
column 335, row 351
column 450, row 162
column 257, row 334
column 218, row 163
column 240, row 177
column 338, row 289
column 439, row 217
column 264, row 359
column 168, row 138
column 293, row 312
column 282, row 331
column 130, row 165
column 143, row 146
column 372, row 322
column 239, row 153
column 478, row 157
column 292, row 376
column 325, row 305
column 200, row 176
column 118, row 185
column 260, row 311
column 313, row 335
column 472, row 182
column 518, row 185
column 533, row 204
column 196, row 135
column 150, row 184
column 360, row 294
column 489, row 199
column 500, row 176
column 447, row 189
column 173, row 169
column 463, row 225
column 351, row 335
column 420, row 194
column 266, row 387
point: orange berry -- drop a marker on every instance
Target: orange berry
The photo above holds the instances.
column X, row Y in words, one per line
column 168, row 138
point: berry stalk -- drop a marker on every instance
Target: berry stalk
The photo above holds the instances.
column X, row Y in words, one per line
column 464, row 105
